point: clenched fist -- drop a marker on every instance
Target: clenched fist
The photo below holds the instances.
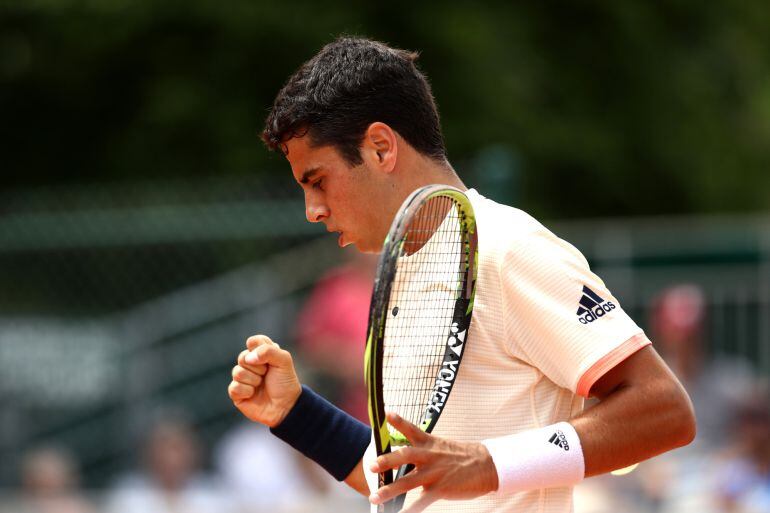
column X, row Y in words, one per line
column 264, row 386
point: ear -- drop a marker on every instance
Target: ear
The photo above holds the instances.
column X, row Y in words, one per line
column 379, row 148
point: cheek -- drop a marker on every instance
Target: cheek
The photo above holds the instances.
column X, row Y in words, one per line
column 356, row 199
column 366, row 209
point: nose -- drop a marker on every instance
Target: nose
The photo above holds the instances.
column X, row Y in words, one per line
column 315, row 211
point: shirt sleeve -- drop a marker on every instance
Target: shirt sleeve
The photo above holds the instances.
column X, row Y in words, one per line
column 560, row 317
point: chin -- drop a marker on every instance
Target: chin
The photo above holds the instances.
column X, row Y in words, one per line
column 367, row 249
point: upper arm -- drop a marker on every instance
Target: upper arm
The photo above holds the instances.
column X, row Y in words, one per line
column 647, row 386
column 642, row 411
column 564, row 320
column 644, row 369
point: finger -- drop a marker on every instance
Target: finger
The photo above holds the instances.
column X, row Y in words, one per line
column 255, row 341
column 423, row 501
column 256, row 369
column 412, row 480
column 269, row 354
column 414, row 434
column 239, row 391
column 395, row 459
column 246, row 377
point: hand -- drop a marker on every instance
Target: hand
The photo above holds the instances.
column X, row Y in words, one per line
column 264, row 386
column 444, row 468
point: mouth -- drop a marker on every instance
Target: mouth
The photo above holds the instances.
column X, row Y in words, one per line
column 340, row 236
column 341, row 242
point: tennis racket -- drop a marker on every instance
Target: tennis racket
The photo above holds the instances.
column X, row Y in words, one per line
column 419, row 316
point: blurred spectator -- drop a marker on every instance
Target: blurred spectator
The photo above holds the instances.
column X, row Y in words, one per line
column 49, row 483
column 331, row 332
column 715, row 382
column 263, row 474
column 681, row 481
column 743, row 478
column 171, row 480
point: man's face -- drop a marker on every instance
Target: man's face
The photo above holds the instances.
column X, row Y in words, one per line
column 348, row 200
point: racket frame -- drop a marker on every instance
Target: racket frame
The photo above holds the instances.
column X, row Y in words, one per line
column 378, row 310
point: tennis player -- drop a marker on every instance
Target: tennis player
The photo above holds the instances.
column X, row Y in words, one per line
column 360, row 129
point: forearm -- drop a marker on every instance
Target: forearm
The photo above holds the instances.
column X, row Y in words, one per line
column 643, row 411
column 635, row 420
column 325, row 434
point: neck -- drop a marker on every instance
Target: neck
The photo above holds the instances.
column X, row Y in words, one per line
column 418, row 170
column 412, row 171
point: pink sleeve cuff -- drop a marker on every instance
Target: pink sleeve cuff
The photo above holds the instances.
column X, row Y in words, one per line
column 609, row 361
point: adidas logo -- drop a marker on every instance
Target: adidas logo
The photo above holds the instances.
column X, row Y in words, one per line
column 559, row 440
column 592, row 306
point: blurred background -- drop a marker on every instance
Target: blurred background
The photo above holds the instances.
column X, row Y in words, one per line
column 145, row 232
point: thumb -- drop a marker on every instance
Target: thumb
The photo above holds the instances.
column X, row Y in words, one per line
column 269, row 354
column 255, row 341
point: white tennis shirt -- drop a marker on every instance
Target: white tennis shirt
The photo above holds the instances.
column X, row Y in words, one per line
column 544, row 330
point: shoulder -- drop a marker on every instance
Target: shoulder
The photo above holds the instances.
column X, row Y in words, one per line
column 517, row 237
column 503, row 220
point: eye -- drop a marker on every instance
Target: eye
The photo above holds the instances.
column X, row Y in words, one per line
column 318, row 184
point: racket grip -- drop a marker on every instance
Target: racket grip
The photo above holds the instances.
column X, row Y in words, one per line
column 392, row 506
column 398, row 501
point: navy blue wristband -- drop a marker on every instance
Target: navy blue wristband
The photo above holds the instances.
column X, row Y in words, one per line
column 324, row 433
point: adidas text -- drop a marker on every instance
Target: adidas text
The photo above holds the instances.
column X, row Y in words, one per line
column 592, row 306
column 597, row 312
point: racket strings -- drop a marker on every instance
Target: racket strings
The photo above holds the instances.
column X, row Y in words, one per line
column 430, row 272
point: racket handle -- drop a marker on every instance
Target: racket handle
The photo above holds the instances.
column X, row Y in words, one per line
column 398, row 501
column 392, row 506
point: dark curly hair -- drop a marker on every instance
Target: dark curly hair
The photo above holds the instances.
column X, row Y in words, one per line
column 351, row 83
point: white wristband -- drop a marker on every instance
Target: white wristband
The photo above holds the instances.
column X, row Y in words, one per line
column 546, row 457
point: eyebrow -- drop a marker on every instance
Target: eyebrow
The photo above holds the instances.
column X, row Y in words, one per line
column 308, row 174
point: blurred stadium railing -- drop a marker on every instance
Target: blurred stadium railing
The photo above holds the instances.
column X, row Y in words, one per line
column 120, row 301
column 727, row 257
